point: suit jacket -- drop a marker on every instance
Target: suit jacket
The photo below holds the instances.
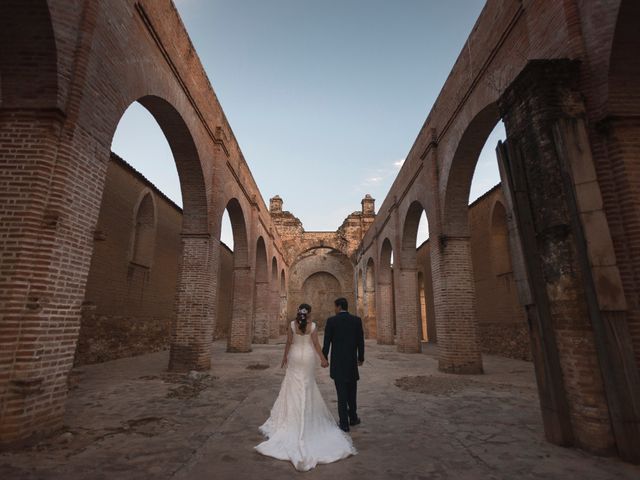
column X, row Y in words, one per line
column 344, row 337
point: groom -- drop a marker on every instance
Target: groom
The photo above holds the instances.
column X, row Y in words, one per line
column 343, row 335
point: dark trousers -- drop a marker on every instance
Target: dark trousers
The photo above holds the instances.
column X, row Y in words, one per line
column 347, row 407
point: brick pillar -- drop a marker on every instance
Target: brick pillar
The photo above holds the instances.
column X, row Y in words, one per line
column 240, row 331
column 261, row 311
column 49, row 202
column 532, row 106
column 195, row 304
column 454, row 302
column 407, row 312
column 384, row 313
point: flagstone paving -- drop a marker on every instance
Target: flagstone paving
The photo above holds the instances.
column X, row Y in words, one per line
column 130, row 419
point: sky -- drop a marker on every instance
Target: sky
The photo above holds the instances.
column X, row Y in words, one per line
column 324, row 97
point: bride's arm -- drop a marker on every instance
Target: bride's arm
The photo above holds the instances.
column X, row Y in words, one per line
column 286, row 348
column 316, row 344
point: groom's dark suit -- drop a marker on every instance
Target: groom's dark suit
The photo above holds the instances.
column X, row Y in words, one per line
column 343, row 336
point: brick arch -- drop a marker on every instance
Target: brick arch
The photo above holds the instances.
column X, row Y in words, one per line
column 369, row 284
column 28, row 55
column 322, row 240
column 261, row 305
column 462, row 165
column 274, row 270
column 274, row 298
column 408, row 322
column 422, row 197
column 238, row 221
column 187, row 159
column 242, row 302
column 65, row 134
column 410, row 226
column 319, row 259
column 341, row 257
column 196, row 247
column 385, row 300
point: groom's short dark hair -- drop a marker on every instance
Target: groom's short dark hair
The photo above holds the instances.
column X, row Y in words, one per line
column 342, row 303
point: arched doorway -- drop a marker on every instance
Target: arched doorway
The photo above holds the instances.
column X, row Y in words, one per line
column 262, row 304
column 274, row 298
column 329, row 264
column 283, row 304
column 409, row 315
column 370, row 322
column 385, row 301
column 319, row 290
column 239, row 339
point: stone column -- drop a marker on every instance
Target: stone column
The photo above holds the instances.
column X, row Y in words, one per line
column 370, row 312
column 240, row 331
column 274, row 314
column 261, row 312
column 545, row 161
column 195, row 304
column 407, row 309
column 49, row 205
column 454, row 303
column 384, row 312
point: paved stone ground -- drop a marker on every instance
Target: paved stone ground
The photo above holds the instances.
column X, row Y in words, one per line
column 129, row 419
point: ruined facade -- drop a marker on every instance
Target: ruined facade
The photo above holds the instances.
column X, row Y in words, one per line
column 562, row 76
column 321, row 263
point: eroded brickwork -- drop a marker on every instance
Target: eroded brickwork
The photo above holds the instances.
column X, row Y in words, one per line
column 321, row 262
column 129, row 307
column 501, row 318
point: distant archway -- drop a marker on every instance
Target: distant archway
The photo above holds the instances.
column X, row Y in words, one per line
column 370, row 322
column 385, row 302
column 239, row 339
column 274, row 299
column 319, row 290
column 262, row 305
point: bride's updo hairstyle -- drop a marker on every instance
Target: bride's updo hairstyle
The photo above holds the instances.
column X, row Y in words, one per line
column 301, row 318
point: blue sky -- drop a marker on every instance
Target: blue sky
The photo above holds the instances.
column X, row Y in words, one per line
column 325, row 97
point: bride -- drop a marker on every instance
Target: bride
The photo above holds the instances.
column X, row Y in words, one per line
column 300, row 428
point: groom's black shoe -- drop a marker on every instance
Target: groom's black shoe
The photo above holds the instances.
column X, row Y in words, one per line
column 344, row 428
column 354, row 422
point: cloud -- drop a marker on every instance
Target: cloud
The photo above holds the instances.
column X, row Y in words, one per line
column 381, row 175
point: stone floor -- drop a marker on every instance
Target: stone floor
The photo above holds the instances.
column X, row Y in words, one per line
column 129, row 419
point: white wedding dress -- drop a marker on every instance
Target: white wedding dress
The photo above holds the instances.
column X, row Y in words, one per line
column 300, row 428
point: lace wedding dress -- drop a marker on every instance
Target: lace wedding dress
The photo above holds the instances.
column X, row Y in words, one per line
column 301, row 429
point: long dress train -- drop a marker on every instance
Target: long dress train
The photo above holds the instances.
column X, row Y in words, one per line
column 300, row 428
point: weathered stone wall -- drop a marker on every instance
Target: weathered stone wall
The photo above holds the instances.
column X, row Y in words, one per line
column 129, row 307
column 345, row 239
column 501, row 318
column 322, row 262
column 318, row 277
